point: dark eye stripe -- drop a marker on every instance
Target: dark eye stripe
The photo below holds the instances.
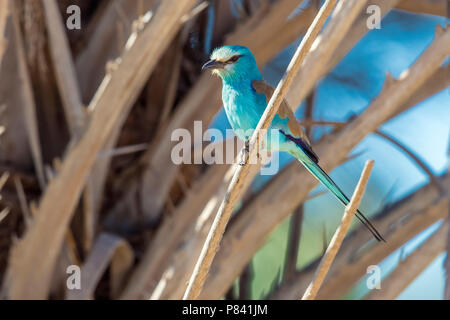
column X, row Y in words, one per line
column 234, row 58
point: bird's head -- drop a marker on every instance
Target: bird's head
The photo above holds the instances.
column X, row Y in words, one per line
column 233, row 63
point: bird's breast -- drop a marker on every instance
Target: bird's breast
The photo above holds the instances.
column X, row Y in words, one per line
column 243, row 109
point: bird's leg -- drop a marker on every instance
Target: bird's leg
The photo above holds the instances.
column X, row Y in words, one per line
column 244, row 152
column 258, row 146
column 258, row 155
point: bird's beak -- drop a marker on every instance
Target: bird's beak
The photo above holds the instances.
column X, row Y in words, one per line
column 213, row 64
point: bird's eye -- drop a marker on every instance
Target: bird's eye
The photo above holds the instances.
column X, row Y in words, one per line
column 234, row 59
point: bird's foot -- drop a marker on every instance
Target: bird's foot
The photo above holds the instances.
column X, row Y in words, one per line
column 244, row 153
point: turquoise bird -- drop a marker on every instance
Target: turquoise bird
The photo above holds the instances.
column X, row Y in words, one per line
column 245, row 96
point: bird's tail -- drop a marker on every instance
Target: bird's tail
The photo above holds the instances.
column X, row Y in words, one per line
column 325, row 179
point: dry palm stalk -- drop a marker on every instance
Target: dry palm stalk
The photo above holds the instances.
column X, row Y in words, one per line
column 411, row 267
column 293, row 243
column 295, row 225
column 93, row 193
column 436, row 83
column 3, row 179
column 70, row 95
column 108, row 250
column 245, row 280
column 23, row 201
column 358, row 30
column 4, row 14
column 95, row 185
column 336, row 241
column 173, row 65
column 224, row 20
column 271, row 15
column 447, row 264
column 235, row 189
column 30, row 107
column 436, row 7
column 286, row 34
column 43, row 81
column 204, row 93
column 38, row 249
column 102, row 46
column 91, row 205
column 4, row 213
column 183, row 260
column 92, row 201
column 288, row 189
column 402, row 221
column 64, row 69
column 172, row 240
column 181, row 224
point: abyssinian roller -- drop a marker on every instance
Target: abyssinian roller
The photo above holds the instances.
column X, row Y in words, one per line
column 245, row 96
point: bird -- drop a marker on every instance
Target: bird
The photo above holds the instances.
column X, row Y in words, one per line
column 245, row 96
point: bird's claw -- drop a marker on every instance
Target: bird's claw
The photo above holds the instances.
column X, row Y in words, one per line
column 245, row 151
column 247, row 146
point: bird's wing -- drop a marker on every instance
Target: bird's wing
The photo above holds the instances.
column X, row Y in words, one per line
column 284, row 111
column 296, row 133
